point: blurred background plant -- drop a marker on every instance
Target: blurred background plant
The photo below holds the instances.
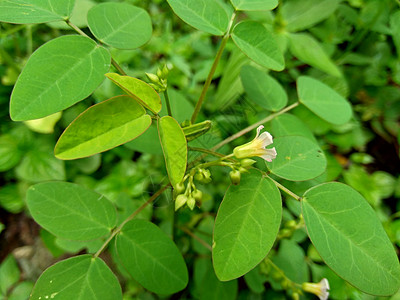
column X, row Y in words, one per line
column 359, row 39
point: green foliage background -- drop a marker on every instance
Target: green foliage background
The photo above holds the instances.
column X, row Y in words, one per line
column 352, row 46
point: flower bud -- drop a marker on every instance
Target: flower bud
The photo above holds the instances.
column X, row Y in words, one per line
column 165, row 71
column 179, row 188
column 180, row 201
column 247, row 162
column 159, row 73
column 191, row 202
column 235, row 176
column 152, row 77
column 197, row 195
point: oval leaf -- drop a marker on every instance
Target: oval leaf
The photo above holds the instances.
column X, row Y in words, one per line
column 35, row 11
column 350, row 238
column 70, row 211
column 101, row 127
column 308, row 49
column 300, row 15
column 254, row 4
column 246, row 226
column 174, row 147
column 288, row 124
column 206, row 15
column 263, row 89
column 81, row 278
column 120, row 25
column 298, row 159
column 50, row 83
column 323, row 100
column 258, row 44
column 151, row 257
column 139, row 90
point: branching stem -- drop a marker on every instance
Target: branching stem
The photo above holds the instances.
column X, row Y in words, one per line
column 212, row 71
column 131, row 217
column 78, row 30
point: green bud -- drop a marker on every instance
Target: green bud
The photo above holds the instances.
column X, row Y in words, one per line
column 291, row 224
column 159, row 73
column 152, row 77
column 235, row 176
column 180, row 201
column 247, row 162
column 203, row 176
column 179, row 187
column 191, row 202
column 295, row 296
column 197, row 195
column 165, row 71
column 243, row 170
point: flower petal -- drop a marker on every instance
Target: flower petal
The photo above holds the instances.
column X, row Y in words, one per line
column 269, row 154
column 259, row 128
column 265, row 138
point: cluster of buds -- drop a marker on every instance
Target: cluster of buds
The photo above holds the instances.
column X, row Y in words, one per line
column 159, row 80
column 238, row 169
column 190, row 195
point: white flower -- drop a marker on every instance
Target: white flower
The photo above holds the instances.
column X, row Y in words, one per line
column 257, row 147
column 320, row 289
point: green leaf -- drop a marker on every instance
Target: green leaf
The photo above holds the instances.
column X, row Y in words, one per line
column 298, row 159
column 300, row 15
column 9, row 274
column 40, row 165
column 70, row 211
column 59, row 74
column 152, row 259
column 288, row 124
column 102, row 127
column 44, row 125
column 21, row 291
column 307, row 49
column 213, row 289
column 292, row 261
column 174, row 147
column 254, row 4
column 35, row 11
column 246, row 226
column 11, row 198
column 350, row 238
column 10, row 154
column 206, row 15
column 139, row 90
column 120, row 25
column 78, row 15
column 323, row 100
column 395, row 27
column 82, row 278
column 258, row 44
column 263, row 89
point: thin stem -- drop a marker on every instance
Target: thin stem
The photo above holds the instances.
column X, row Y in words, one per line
column 251, row 127
column 212, row 71
column 281, row 272
column 167, row 101
column 78, row 30
column 118, row 67
column 188, row 232
column 12, row 30
column 286, row 190
column 206, row 151
column 131, row 217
